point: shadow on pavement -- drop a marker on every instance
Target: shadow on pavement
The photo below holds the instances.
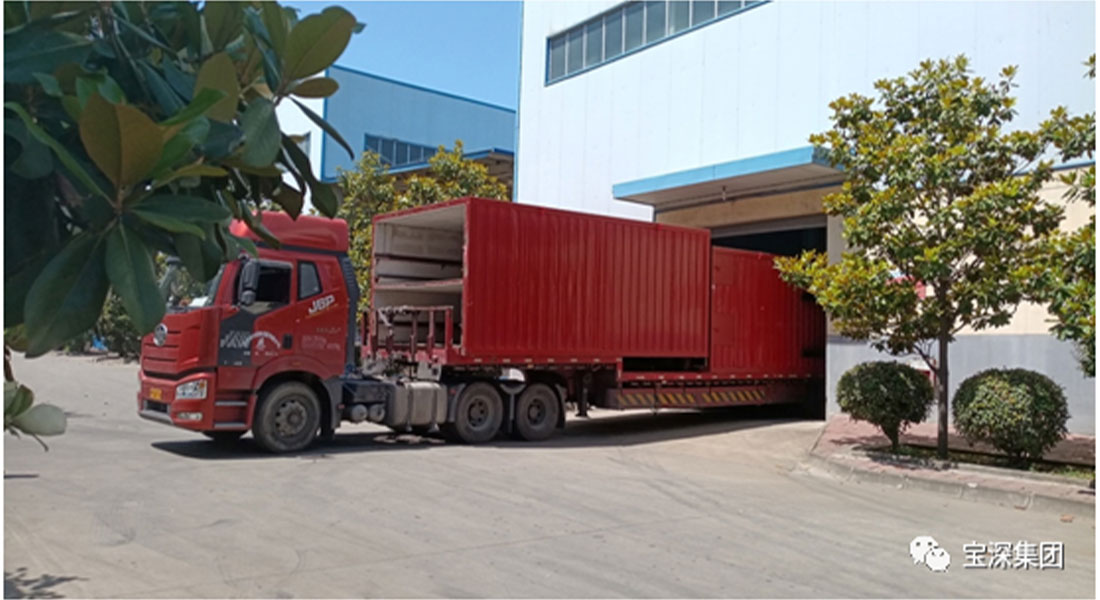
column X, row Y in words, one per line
column 17, row 584
column 607, row 429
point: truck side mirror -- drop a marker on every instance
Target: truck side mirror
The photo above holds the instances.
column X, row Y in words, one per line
column 248, row 282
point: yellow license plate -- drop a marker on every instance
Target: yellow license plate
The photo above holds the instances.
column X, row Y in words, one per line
column 154, row 393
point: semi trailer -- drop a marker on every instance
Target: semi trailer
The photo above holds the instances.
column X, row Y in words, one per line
column 485, row 318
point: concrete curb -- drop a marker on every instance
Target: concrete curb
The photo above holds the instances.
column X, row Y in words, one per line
column 847, row 471
column 972, row 468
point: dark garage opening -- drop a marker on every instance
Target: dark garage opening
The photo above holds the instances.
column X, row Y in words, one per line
column 788, row 242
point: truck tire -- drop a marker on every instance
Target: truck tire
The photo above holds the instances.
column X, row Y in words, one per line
column 224, row 438
column 537, row 412
column 478, row 414
column 287, row 418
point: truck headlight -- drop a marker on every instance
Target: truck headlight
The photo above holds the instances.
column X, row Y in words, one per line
column 192, row 390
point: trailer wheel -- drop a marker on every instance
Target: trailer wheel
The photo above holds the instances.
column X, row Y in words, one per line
column 537, row 412
column 478, row 414
column 287, row 418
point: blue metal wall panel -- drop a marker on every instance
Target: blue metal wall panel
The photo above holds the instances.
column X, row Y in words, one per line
column 370, row 104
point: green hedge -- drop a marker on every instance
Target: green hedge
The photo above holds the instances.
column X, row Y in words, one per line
column 1020, row 412
column 888, row 394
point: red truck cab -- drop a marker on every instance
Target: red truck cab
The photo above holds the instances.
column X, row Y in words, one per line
column 283, row 319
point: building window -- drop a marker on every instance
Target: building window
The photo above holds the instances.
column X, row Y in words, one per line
column 654, row 21
column 630, row 27
column 397, row 153
column 613, row 35
column 593, row 44
column 574, row 51
column 557, row 57
column 679, row 16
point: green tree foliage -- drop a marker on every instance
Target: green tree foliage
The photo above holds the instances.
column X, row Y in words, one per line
column 937, row 191
column 888, row 394
column 1021, row 413
column 137, row 127
column 1064, row 276
column 371, row 190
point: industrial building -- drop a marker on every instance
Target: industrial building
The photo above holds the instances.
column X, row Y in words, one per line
column 404, row 123
column 698, row 113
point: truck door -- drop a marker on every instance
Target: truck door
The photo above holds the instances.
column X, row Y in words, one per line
column 259, row 332
column 320, row 313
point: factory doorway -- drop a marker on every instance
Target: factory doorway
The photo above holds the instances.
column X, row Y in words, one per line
column 790, row 237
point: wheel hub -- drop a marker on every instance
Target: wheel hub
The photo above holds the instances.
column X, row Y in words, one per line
column 478, row 413
column 290, row 418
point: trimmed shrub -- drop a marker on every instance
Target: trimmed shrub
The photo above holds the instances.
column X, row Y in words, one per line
column 1021, row 413
column 887, row 394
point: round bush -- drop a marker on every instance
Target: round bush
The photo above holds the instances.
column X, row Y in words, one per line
column 888, row 394
column 1021, row 413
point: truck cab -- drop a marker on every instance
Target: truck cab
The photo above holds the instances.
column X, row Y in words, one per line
column 255, row 353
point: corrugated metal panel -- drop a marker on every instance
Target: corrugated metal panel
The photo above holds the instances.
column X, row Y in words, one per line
column 760, row 325
column 548, row 283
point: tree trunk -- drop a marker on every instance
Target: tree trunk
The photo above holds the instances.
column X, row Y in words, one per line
column 941, row 397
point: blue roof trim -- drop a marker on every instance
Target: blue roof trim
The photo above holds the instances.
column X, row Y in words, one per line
column 746, row 166
column 422, row 88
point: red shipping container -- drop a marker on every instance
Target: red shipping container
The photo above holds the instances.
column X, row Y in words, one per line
column 762, row 327
column 534, row 283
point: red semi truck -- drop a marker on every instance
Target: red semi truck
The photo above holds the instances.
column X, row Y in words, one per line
column 485, row 317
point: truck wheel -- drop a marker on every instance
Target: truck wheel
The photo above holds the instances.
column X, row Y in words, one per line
column 224, row 438
column 478, row 414
column 287, row 418
column 537, row 411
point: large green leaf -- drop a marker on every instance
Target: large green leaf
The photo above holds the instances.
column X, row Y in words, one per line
column 318, row 87
column 122, row 141
column 275, row 22
column 290, row 199
column 317, row 41
column 62, row 154
column 322, row 195
column 223, row 22
column 191, row 209
column 194, row 170
column 130, row 269
column 163, row 93
column 329, row 129
column 222, row 140
column 35, row 159
column 261, row 133
column 189, row 249
column 67, row 296
column 199, row 105
column 180, row 144
column 32, row 50
column 219, row 73
column 41, row 419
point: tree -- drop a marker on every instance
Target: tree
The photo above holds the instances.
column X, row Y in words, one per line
column 137, row 127
column 1064, row 277
column 936, row 192
column 372, row 190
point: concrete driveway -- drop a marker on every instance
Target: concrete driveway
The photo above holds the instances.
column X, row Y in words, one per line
column 622, row 505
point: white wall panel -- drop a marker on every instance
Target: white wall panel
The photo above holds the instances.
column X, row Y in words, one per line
column 760, row 82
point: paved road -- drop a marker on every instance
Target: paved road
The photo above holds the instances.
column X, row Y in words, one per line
column 632, row 505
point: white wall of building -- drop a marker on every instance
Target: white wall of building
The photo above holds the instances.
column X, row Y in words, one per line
column 760, row 82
